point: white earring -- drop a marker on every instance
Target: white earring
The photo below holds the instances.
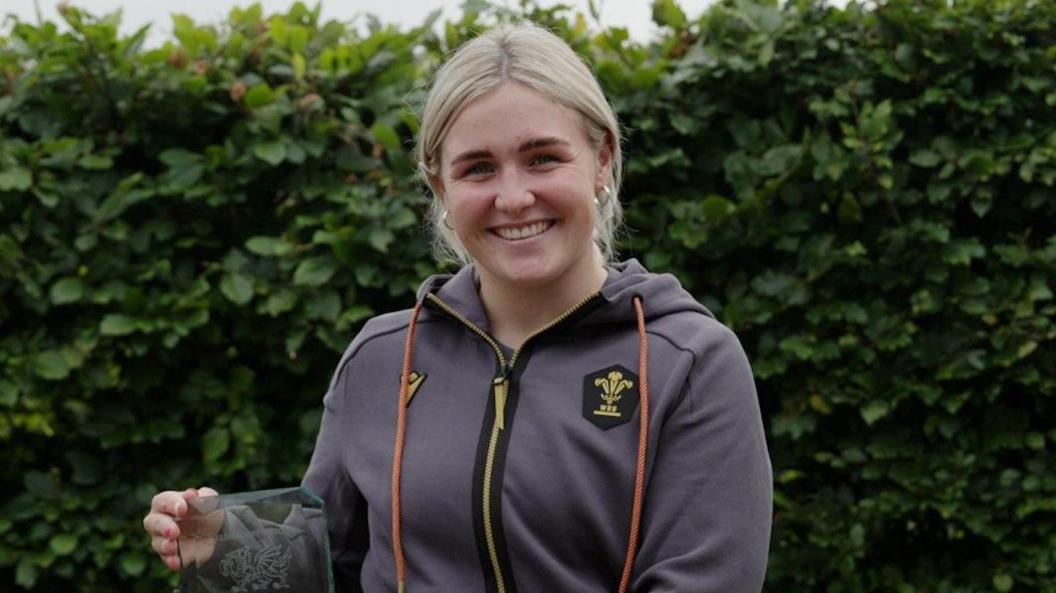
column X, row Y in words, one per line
column 444, row 221
column 606, row 195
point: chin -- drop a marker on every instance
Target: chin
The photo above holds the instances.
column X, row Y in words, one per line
column 537, row 274
column 533, row 278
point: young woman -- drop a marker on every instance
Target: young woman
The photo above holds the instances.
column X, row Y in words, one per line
column 545, row 419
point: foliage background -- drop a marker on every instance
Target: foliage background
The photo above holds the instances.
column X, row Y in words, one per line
column 190, row 235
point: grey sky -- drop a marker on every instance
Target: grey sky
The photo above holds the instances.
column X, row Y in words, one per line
column 633, row 14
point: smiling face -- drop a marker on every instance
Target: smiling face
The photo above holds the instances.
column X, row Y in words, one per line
column 518, row 177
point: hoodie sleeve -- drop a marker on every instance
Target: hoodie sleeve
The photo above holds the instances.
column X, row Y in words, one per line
column 708, row 505
column 328, row 477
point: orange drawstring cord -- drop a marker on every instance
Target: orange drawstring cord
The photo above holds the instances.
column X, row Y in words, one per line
column 397, row 456
column 643, row 445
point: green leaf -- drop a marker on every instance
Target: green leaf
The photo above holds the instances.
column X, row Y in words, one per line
column 858, row 535
column 278, row 30
column 215, row 443
column 267, row 246
column 1039, row 290
column 716, row 207
column 1035, row 440
column 116, row 324
column 8, row 393
column 849, row 211
column 185, row 167
column 40, row 484
column 51, row 365
column 314, row 271
column 925, row 158
column 63, row 544
column 26, row 573
column 874, row 411
column 667, row 13
column 279, row 302
column 178, row 157
column 298, row 39
column 326, row 306
column 259, row 95
column 773, row 283
column 385, row 135
column 684, row 124
column 981, row 204
column 15, row 178
column 380, row 239
column 66, row 290
column 132, row 563
column 299, row 65
column 272, row 153
column 962, row 252
column 9, row 250
column 800, row 346
column 237, row 287
column 1026, row 348
column 95, row 162
column 1003, row 582
column 293, row 343
column 87, row 468
column 402, row 219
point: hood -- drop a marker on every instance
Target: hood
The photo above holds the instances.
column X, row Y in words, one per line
column 662, row 294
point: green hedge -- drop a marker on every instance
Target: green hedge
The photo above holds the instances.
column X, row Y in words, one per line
column 189, row 236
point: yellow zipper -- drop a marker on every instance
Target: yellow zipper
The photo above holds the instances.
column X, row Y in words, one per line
column 500, row 385
column 489, row 530
column 462, row 318
column 548, row 326
column 500, row 389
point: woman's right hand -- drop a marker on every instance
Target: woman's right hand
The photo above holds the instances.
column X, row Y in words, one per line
column 163, row 526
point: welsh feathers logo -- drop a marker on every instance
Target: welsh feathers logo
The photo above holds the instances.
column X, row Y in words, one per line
column 610, row 396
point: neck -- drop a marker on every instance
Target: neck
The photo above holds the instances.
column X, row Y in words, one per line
column 515, row 311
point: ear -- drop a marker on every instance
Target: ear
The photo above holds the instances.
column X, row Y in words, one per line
column 605, row 156
column 436, row 184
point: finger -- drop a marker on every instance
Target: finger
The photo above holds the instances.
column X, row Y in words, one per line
column 172, row 562
column 207, row 491
column 179, row 503
column 164, row 546
column 161, row 500
column 169, row 502
column 161, row 525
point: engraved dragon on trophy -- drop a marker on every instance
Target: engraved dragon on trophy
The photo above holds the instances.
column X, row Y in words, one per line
column 257, row 569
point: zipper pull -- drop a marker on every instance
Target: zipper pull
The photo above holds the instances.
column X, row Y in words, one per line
column 500, row 385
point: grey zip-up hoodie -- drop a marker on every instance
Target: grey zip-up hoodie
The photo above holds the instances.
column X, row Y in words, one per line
column 530, row 487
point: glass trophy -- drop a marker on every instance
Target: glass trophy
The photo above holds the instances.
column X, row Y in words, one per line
column 271, row 541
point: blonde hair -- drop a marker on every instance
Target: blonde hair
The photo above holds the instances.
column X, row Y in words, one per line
column 528, row 54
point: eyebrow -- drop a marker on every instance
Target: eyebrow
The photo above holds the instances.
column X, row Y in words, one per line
column 541, row 143
column 525, row 146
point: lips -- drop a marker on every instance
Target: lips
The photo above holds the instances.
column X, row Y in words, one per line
column 517, row 233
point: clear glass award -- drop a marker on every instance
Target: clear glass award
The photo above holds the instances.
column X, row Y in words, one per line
column 252, row 542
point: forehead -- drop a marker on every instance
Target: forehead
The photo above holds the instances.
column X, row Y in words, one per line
column 508, row 115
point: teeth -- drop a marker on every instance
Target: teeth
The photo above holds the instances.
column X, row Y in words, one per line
column 522, row 232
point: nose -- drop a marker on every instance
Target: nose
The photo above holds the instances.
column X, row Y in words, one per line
column 513, row 193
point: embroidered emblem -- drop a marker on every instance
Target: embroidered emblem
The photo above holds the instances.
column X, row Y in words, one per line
column 610, row 396
column 258, row 569
column 412, row 387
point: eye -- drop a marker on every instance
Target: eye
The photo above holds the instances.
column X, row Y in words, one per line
column 543, row 159
column 477, row 169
